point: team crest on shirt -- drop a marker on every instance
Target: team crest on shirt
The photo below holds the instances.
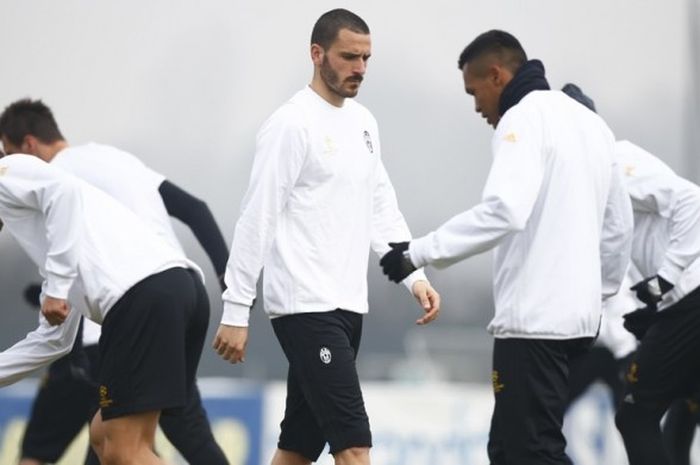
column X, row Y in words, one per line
column 325, row 355
column 368, row 141
column 3, row 170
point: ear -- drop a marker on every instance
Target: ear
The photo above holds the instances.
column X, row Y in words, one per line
column 317, row 54
column 502, row 76
column 29, row 144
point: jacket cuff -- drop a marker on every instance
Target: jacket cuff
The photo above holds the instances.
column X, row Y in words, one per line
column 57, row 286
column 235, row 314
column 419, row 250
column 410, row 280
column 670, row 272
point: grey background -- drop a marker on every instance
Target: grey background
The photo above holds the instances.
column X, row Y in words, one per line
column 184, row 85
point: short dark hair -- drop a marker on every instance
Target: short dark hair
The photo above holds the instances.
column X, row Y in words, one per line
column 330, row 23
column 495, row 42
column 29, row 117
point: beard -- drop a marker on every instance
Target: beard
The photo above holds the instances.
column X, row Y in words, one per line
column 332, row 81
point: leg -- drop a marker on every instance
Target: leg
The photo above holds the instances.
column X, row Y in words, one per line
column 352, row 456
column 191, row 434
column 530, row 387
column 639, row 425
column 130, row 440
column 64, row 404
column 679, row 430
column 664, row 369
column 188, row 428
column 286, row 457
column 324, row 395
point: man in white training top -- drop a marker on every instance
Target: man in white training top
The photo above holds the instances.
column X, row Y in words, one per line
column 319, row 198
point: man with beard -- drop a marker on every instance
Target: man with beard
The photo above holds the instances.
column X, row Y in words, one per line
column 555, row 209
column 318, row 198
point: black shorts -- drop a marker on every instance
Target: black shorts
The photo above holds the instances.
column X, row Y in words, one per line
column 151, row 344
column 530, row 383
column 666, row 365
column 324, row 400
column 65, row 403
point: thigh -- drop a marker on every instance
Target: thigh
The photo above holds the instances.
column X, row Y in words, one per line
column 667, row 363
column 143, row 363
column 530, row 385
column 321, row 353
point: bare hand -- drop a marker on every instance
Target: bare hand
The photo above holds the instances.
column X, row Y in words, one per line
column 55, row 310
column 230, row 342
column 429, row 300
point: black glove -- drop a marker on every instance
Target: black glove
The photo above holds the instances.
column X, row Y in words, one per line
column 651, row 290
column 639, row 321
column 32, row 293
column 396, row 263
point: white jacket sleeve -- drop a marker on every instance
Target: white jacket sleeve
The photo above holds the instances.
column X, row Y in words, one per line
column 29, row 183
column 509, row 196
column 39, row 348
column 673, row 198
column 616, row 235
column 279, row 157
column 388, row 223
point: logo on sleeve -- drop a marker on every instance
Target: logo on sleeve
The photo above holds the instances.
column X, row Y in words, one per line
column 3, row 170
column 368, row 141
column 629, row 170
column 510, row 137
column 325, row 355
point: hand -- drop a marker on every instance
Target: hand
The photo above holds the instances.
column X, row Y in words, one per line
column 55, row 310
column 230, row 342
column 396, row 263
column 32, row 294
column 651, row 290
column 429, row 300
column 639, row 321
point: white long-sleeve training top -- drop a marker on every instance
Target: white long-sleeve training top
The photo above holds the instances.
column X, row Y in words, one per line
column 556, row 211
column 666, row 221
column 318, row 198
column 127, row 179
column 84, row 242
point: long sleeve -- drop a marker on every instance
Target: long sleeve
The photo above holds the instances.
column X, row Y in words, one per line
column 279, row 157
column 616, row 236
column 677, row 200
column 509, row 196
column 196, row 215
column 388, row 223
column 28, row 183
column 39, row 348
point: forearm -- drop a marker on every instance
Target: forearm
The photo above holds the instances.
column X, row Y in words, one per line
column 41, row 347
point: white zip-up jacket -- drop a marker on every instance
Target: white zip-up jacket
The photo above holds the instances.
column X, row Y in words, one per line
column 666, row 221
column 318, row 198
column 556, row 210
column 84, row 242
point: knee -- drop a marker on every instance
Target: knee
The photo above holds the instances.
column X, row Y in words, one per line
column 352, row 456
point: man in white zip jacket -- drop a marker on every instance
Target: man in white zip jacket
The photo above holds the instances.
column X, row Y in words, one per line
column 319, row 197
column 143, row 292
column 555, row 209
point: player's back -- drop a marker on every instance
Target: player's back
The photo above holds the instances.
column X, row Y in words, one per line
column 124, row 177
